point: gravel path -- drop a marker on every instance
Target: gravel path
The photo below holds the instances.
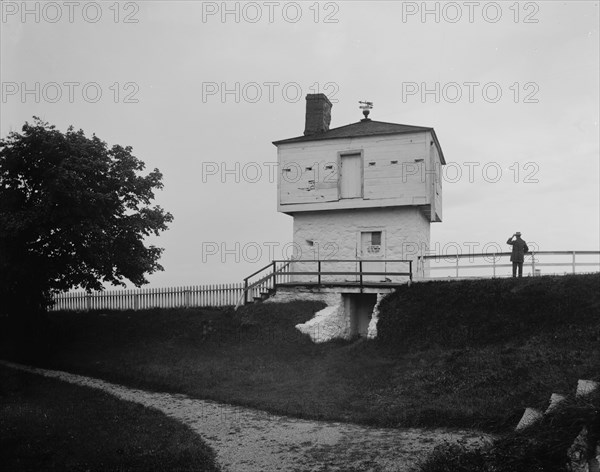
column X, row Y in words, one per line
column 247, row 440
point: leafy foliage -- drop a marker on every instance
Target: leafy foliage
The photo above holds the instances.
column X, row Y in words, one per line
column 73, row 212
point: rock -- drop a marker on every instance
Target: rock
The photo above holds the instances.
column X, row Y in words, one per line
column 555, row 399
column 583, row 456
column 372, row 329
column 594, row 464
column 327, row 324
column 585, row 387
column 577, row 453
column 530, row 416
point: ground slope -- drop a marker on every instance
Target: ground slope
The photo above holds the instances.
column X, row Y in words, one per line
column 450, row 354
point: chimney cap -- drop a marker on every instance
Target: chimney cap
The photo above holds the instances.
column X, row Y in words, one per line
column 318, row 96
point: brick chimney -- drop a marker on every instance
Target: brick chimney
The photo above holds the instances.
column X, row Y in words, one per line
column 318, row 114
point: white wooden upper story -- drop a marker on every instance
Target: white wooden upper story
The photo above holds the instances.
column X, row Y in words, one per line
column 355, row 167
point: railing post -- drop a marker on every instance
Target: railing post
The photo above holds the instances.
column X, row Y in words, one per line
column 410, row 269
column 274, row 275
column 245, row 291
column 573, row 261
column 319, row 272
column 533, row 264
column 360, row 272
column 457, row 266
column 494, row 264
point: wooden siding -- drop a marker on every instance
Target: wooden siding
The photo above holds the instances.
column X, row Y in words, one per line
column 436, row 183
column 396, row 172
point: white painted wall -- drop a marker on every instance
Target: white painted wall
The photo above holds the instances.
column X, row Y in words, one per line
column 337, row 235
column 435, row 183
column 398, row 170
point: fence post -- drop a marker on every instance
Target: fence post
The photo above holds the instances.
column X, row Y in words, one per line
column 360, row 271
column 573, row 261
column 494, row 264
column 319, row 272
column 88, row 301
column 533, row 264
column 410, row 269
column 186, row 293
column 136, row 301
column 457, row 266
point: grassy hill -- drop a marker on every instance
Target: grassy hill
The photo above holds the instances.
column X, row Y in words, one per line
column 49, row 425
column 456, row 353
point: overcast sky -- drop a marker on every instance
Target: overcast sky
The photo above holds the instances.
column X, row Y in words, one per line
column 510, row 88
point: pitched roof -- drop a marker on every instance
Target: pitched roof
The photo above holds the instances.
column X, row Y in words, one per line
column 361, row 129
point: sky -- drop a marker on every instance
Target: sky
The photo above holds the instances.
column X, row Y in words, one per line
column 200, row 90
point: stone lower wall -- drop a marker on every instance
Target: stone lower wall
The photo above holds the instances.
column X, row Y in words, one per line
column 332, row 322
column 284, row 295
column 336, row 234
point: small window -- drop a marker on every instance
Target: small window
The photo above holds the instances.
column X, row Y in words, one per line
column 370, row 242
column 376, row 238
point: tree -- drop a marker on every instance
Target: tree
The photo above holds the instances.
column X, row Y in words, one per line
column 73, row 212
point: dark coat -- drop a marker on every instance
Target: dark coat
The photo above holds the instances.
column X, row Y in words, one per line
column 519, row 248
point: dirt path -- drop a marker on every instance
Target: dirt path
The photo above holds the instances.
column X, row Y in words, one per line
column 247, row 440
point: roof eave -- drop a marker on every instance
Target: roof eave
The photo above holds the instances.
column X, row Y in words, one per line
column 437, row 143
column 301, row 139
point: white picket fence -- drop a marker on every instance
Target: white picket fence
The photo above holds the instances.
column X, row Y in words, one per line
column 141, row 299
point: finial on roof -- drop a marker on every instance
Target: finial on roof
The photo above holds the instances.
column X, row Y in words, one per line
column 366, row 108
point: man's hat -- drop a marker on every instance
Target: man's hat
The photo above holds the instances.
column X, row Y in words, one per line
column 518, row 233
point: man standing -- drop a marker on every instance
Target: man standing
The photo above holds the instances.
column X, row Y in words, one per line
column 519, row 248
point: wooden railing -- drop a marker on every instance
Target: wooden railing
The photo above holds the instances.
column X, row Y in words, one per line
column 284, row 272
column 265, row 281
column 499, row 265
column 323, row 274
column 140, row 299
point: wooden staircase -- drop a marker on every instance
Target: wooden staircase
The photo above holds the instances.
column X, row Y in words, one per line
column 265, row 285
column 263, row 295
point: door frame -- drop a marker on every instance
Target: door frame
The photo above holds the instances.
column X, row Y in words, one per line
column 341, row 154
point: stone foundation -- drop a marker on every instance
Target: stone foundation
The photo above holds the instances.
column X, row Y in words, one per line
column 346, row 315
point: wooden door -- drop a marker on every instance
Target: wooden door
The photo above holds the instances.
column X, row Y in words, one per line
column 351, row 176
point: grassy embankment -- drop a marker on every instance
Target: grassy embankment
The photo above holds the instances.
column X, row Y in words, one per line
column 50, row 425
column 456, row 353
